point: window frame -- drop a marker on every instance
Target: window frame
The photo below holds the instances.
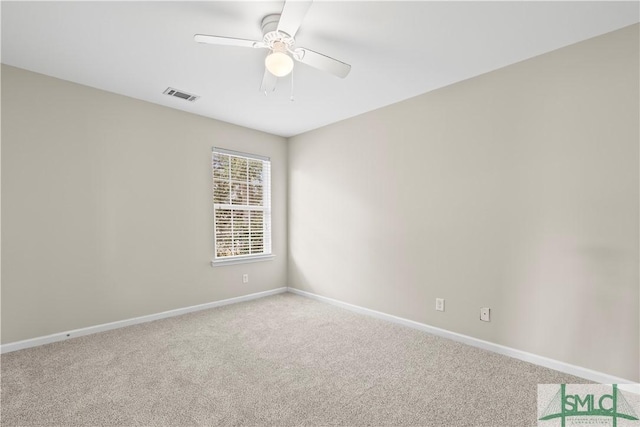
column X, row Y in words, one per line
column 267, row 253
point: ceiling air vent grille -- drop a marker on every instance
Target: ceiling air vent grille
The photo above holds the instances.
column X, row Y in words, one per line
column 180, row 94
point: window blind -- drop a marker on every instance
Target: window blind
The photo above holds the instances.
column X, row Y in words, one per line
column 242, row 204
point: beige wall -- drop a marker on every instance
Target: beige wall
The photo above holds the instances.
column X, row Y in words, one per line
column 516, row 190
column 106, row 207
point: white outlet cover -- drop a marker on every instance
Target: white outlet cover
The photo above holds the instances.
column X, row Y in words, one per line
column 485, row 314
column 440, row 304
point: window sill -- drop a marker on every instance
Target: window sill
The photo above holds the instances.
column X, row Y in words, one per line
column 241, row 260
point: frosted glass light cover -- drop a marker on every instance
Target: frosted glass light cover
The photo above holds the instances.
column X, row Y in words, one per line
column 279, row 64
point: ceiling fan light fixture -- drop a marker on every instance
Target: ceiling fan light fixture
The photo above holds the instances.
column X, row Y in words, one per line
column 278, row 62
column 278, row 36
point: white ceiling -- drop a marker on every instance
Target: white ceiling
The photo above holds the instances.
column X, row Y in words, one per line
column 397, row 50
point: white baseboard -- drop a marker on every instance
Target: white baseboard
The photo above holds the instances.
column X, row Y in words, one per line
column 557, row 365
column 33, row 342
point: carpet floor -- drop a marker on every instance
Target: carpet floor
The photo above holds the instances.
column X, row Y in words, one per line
column 284, row 360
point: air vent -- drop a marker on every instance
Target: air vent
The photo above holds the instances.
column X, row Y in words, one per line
column 180, row 94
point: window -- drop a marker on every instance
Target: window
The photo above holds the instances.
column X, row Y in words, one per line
column 242, row 205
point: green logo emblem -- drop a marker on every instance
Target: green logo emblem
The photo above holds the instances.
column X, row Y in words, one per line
column 611, row 406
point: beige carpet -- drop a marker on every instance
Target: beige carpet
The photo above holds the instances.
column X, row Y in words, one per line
column 284, row 360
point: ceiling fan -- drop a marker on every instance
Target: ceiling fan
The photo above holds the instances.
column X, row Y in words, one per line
column 278, row 32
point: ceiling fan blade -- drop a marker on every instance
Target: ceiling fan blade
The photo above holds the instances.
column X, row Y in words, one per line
column 322, row 62
column 268, row 82
column 227, row 41
column 292, row 15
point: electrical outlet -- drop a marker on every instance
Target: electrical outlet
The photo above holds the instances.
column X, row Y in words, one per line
column 485, row 314
column 440, row 304
column 245, row 278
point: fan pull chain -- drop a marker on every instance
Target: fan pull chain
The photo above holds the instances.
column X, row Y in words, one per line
column 291, row 98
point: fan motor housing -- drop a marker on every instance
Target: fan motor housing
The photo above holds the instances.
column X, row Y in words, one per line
column 270, row 23
column 271, row 34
